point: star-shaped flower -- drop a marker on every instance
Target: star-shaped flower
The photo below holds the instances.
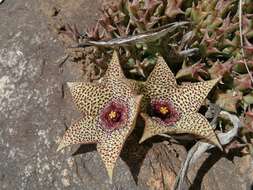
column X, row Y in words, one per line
column 110, row 109
column 172, row 108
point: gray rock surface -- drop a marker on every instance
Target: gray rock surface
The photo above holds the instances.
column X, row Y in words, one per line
column 36, row 106
column 36, row 109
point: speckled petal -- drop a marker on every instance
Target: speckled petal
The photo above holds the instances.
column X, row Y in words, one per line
column 109, row 149
column 152, row 128
column 192, row 123
column 89, row 98
column 197, row 125
column 111, row 143
column 189, row 97
column 114, row 70
column 83, row 131
column 186, row 98
column 161, row 76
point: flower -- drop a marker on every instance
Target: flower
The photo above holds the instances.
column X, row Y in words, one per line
column 114, row 115
column 164, row 112
column 174, row 107
column 110, row 109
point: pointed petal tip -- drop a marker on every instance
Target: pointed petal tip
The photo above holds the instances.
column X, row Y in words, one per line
column 71, row 84
column 115, row 57
column 215, row 141
column 61, row 146
column 146, row 133
column 115, row 53
column 110, row 174
column 220, row 147
column 143, row 138
column 216, row 80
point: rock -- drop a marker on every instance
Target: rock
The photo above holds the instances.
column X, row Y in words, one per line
column 33, row 109
column 222, row 171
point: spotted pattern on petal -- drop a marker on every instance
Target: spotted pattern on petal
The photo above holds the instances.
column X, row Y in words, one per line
column 186, row 98
column 81, row 131
column 89, row 98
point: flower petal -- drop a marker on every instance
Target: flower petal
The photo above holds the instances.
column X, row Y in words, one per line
column 153, row 127
column 114, row 70
column 161, row 76
column 189, row 97
column 89, row 97
column 110, row 144
column 196, row 124
column 161, row 84
column 83, row 131
column 192, row 123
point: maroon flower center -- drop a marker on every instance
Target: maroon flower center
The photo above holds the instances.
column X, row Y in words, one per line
column 164, row 112
column 114, row 115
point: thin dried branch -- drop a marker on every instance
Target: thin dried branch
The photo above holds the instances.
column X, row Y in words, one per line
column 188, row 52
column 148, row 36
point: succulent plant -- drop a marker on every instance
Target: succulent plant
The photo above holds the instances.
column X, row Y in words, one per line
column 123, row 19
column 214, row 35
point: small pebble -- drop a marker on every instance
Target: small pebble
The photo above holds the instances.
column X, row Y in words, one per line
column 1, row 1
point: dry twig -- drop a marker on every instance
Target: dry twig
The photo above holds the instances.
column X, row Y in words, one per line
column 139, row 38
